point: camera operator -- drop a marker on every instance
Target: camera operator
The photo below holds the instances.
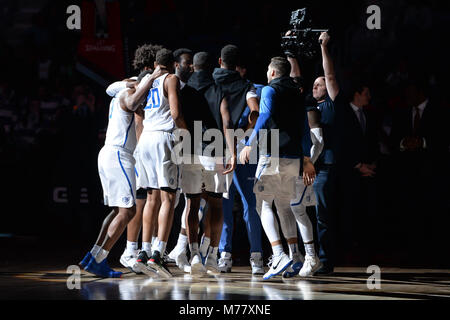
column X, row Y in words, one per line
column 325, row 92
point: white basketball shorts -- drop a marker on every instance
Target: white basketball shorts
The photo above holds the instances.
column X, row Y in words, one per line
column 117, row 175
column 304, row 195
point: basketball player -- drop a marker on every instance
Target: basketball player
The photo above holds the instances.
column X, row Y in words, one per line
column 276, row 176
column 160, row 172
column 116, row 170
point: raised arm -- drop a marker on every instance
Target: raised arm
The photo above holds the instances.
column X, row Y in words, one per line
column 172, row 87
column 133, row 101
column 328, row 67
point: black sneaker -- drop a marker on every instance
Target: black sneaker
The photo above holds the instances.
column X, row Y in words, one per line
column 158, row 263
column 141, row 264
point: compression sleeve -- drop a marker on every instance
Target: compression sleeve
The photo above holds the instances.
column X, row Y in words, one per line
column 265, row 111
column 115, row 88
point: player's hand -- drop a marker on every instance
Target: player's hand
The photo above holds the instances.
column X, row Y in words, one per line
column 367, row 170
column 324, row 39
column 157, row 73
column 231, row 165
column 309, row 173
column 244, row 157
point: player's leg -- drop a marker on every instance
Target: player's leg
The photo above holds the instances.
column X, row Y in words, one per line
column 192, row 226
column 206, row 237
column 129, row 256
column 215, row 215
column 226, row 239
column 179, row 252
column 165, row 220
column 244, row 185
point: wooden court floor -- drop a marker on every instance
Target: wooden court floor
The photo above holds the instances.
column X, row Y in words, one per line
column 47, row 283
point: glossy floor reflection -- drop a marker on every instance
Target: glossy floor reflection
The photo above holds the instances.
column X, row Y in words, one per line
column 346, row 284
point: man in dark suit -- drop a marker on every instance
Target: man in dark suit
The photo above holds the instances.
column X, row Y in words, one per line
column 420, row 145
column 357, row 153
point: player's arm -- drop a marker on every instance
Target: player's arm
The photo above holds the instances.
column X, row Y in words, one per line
column 316, row 135
column 328, row 67
column 267, row 96
column 253, row 104
column 139, row 122
column 133, row 101
column 172, row 87
column 229, row 136
column 118, row 86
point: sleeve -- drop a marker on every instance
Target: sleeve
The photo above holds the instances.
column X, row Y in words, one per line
column 115, row 88
column 251, row 93
column 265, row 111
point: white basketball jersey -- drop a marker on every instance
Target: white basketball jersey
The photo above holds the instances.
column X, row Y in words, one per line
column 157, row 109
column 121, row 130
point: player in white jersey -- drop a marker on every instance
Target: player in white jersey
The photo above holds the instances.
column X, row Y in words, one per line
column 160, row 173
column 116, row 170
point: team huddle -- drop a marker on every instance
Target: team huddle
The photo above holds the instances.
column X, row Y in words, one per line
column 143, row 174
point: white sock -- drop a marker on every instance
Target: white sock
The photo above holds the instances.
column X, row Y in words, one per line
column 193, row 247
column 159, row 246
column 310, row 251
column 102, row 254
column 95, row 249
column 147, row 247
column 132, row 247
column 182, row 242
column 293, row 250
column 277, row 250
column 213, row 252
column 204, row 245
column 154, row 239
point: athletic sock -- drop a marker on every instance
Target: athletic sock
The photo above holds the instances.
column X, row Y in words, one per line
column 193, row 247
column 182, row 242
column 310, row 251
column 277, row 250
column 204, row 245
column 147, row 247
column 95, row 249
column 132, row 247
column 154, row 239
column 102, row 254
column 293, row 250
column 213, row 251
column 159, row 246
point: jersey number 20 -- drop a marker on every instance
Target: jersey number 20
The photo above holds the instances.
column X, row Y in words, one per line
column 153, row 100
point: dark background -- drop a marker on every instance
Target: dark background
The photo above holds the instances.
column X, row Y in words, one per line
column 53, row 117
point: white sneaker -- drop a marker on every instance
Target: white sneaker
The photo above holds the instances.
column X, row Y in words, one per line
column 128, row 260
column 172, row 256
column 225, row 262
column 183, row 263
column 277, row 265
column 197, row 267
column 295, row 267
column 211, row 265
column 257, row 264
column 311, row 265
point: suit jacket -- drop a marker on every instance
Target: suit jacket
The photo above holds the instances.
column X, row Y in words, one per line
column 353, row 145
column 434, row 128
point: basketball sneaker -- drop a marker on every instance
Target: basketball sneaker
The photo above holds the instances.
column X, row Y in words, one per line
column 277, row 265
column 183, row 263
column 197, row 267
column 311, row 265
column 141, row 265
column 225, row 262
column 257, row 264
column 211, row 265
column 295, row 267
column 83, row 263
column 158, row 264
column 101, row 269
column 128, row 260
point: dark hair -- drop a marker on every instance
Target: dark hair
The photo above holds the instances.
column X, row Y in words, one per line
column 145, row 56
column 230, row 56
column 164, row 57
column 202, row 60
column 179, row 52
column 357, row 86
column 143, row 74
column 281, row 65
